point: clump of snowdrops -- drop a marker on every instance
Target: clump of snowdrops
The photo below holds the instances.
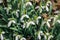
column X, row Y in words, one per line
column 22, row 20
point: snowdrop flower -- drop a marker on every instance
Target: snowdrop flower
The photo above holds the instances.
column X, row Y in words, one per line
column 17, row 10
column 49, row 2
column 49, row 38
column 37, row 7
column 47, row 5
column 38, row 19
column 55, row 18
column 39, row 37
column 23, row 17
column 47, row 34
column 54, row 21
column 28, row 3
column 39, row 34
column 17, row 14
column 45, row 37
column 14, row 34
column 7, row 9
column 48, row 24
column 17, row 37
column 58, row 21
column 30, row 23
column 1, row 1
column 1, row 37
column 49, row 20
column 23, row 38
column 56, row 12
column 10, row 22
column 47, row 9
column 3, row 32
column 23, row 25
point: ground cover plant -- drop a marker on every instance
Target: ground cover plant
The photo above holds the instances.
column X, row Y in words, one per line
column 29, row 19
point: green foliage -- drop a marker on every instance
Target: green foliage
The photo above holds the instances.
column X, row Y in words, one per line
column 21, row 19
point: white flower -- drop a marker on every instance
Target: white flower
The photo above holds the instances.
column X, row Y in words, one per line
column 23, row 38
column 37, row 7
column 28, row 3
column 10, row 22
column 17, row 37
column 55, row 18
column 24, row 25
column 56, row 12
column 7, row 9
column 17, row 14
column 38, row 19
column 14, row 34
column 47, row 34
column 49, row 2
column 30, row 23
column 48, row 24
column 23, row 16
column 1, row 37
column 3, row 32
column 1, row 1
column 45, row 37
column 58, row 21
column 39, row 34
column 50, row 37
column 18, row 10
column 47, row 9
column 49, row 20
column 39, row 37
